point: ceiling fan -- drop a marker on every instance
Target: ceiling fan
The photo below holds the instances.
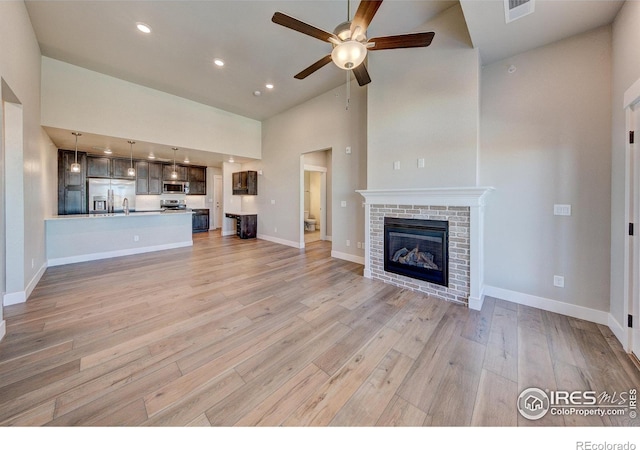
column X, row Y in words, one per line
column 349, row 40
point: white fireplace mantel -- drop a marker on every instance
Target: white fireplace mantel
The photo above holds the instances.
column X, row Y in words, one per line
column 472, row 197
column 454, row 196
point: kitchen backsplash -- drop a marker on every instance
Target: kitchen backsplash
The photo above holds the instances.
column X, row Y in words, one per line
column 152, row 202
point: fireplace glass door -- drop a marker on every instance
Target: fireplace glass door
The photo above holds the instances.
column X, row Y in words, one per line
column 417, row 249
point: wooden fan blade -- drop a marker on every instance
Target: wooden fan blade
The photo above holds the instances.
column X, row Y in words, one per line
column 297, row 25
column 362, row 74
column 402, row 41
column 313, row 67
column 366, row 10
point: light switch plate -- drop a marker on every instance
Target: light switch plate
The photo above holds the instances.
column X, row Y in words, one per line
column 561, row 210
column 396, row 165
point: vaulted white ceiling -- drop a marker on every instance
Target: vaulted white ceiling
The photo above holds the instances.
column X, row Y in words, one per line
column 177, row 56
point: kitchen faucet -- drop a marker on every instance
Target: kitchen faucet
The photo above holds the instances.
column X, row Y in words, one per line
column 125, row 205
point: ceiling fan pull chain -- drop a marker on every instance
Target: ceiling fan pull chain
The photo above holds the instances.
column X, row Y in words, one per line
column 348, row 88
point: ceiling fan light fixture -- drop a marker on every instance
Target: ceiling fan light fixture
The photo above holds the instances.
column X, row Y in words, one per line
column 349, row 54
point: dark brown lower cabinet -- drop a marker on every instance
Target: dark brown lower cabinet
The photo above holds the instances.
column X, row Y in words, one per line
column 246, row 224
column 200, row 220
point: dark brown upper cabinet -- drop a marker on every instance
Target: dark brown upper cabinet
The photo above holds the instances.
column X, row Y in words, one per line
column 148, row 178
column 72, row 187
column 197, row 177
column 245, row 183
column 168, row 168
column 98, row 167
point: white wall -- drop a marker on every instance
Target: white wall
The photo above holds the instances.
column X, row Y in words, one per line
column 80, row 99
column 319, row 124
column 626, row 70
column 423, row 103
column 545, row 140
column 20, row 62
column 541, row 136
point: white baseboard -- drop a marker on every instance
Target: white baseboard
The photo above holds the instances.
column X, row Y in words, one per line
column 619, row 332
column 367, row 273
column 3, row 329
column 567, row 309
column 476, row 303
column 35, row 280
column 227, row 233
column 276, row 240
column 13, row 298
column 348, row 257
column 114, row 254
column 328, row 238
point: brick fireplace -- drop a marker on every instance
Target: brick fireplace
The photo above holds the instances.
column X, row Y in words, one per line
column 461, row 208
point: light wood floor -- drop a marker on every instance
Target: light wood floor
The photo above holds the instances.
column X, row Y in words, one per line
column 247, row 332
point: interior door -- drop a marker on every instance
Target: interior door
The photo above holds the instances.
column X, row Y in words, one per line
column 217, row 201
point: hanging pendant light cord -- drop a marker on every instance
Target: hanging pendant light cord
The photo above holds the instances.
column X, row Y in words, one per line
column 76, row 135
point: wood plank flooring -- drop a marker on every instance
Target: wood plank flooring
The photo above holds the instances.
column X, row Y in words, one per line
column 238, row 332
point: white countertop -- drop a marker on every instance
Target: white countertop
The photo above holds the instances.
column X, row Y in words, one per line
column 112, row 215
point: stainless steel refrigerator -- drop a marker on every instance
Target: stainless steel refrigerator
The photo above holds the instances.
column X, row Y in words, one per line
column 100, row 190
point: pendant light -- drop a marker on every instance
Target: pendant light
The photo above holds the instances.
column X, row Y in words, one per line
column 131, row 172
column 174, row 174
column 75, row 167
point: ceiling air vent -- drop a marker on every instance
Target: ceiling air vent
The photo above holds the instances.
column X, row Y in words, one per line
column 515, row 9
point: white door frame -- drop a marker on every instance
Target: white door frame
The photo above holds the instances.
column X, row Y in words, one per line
column 217, row 202
column 323, row 199
column 632, row 215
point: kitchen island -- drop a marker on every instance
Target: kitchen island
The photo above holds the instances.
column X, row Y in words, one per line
column 87, row 237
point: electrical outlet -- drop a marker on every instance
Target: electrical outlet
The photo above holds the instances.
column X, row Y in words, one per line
column 136, row 238
column 275, row 230
column 343, row 203
column 348, row 150
column 348, row 243
column 396, row 165
column 558, row 281
column 420, row 163
column 273, row 202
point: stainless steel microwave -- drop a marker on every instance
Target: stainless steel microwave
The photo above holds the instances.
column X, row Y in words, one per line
column 175, row 187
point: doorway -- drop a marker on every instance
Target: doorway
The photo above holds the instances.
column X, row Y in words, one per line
column 315, row 216
column 632, row 216
column 11, row 199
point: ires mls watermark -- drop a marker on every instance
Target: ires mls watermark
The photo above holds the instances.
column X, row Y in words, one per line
column 534, row 403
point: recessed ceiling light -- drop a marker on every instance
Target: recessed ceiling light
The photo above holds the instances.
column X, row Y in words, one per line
column 186, row 161
column 269, row 86
column 143, row 27
column 108, row 151
column 231, row 159
column 151, row 156
column 257, row 93
column 218, row 62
